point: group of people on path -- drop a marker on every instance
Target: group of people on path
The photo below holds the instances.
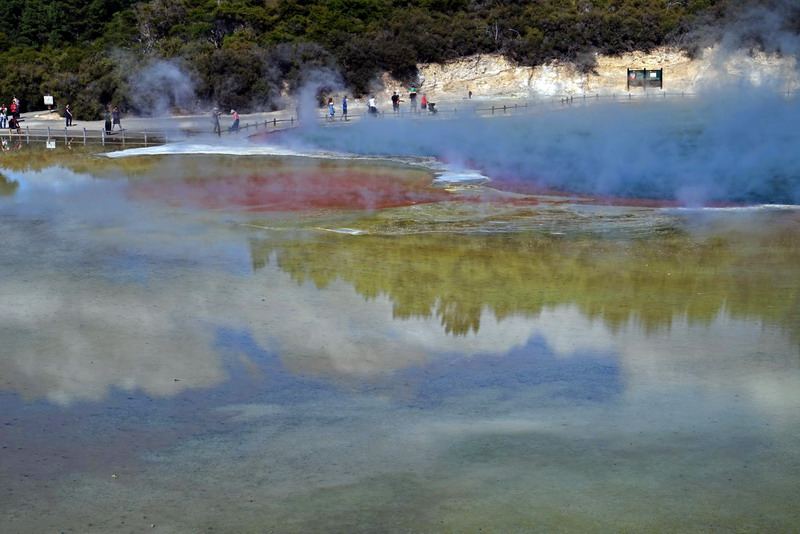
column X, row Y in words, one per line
column 112, row 117
column 234, row 127
column 372, row 106
column 9, row 116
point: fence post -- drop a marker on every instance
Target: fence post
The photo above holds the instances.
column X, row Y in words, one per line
column 492, row 110
column 103, row 136
column 504, row 108
column 27, row 134
column 48, row 132
column 292, row 120
column 145, row 138
column 84, row 136
column 123, row 137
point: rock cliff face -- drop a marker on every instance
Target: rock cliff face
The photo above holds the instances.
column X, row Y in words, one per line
column 492, row 76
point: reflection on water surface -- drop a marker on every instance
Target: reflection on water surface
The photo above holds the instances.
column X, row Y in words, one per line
column 444, row 363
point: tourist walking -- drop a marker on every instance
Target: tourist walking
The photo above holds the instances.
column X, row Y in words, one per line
column 412, row 97
column 331, row 110
column 344, row 108
column 372, row 106
column 235, row 126
column 116, row 118
column 67, row 115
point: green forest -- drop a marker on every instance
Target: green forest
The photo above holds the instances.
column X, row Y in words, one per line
column 244, row 54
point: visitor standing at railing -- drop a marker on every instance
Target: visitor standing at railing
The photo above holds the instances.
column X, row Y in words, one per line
column 3, row 116
column 13, row 124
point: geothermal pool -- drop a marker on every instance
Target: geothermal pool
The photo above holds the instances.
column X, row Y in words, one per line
column 244, row 338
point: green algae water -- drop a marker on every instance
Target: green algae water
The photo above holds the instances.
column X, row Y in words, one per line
column 271, row 343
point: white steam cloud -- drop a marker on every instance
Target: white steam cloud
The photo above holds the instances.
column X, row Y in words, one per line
column 735, row 146
column 161, row 87
column 317, row 83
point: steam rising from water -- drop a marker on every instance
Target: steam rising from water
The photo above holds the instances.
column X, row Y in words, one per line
column 766, row 26
column 161, row 86
column 737, row 146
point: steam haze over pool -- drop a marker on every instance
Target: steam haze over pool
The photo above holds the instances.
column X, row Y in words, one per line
column 725, row 147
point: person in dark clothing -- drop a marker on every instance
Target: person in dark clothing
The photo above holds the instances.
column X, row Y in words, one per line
column 68, row 115
column 108, row 121
column 215, row 119
column 116, row 118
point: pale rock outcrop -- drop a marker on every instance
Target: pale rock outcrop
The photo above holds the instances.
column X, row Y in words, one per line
column 493, row 76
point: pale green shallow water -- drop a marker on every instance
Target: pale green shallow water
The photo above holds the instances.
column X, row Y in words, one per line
column 513, row 368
